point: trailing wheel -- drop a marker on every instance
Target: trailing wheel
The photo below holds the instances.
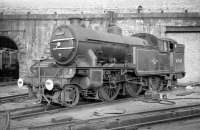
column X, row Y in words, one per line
column 70, row 95
column 132, row 86
column 156, row 84
column 133, row 89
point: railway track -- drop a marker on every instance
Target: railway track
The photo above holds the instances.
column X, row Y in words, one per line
column 140, row 119
column 6, row 83
column 39, row 109
column 31, row 112
column 118, row 122
column 42, row 109
column 126, row 121
column 160, row 116
column 13, row 98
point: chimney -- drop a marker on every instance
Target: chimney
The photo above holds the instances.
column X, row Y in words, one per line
column 75, row 21
column 114, row 29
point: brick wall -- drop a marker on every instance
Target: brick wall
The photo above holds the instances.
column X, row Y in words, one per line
column 32, row 32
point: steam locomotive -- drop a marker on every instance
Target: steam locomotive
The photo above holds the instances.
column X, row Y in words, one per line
column 96, row 65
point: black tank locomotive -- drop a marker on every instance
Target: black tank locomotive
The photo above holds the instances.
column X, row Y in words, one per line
column 97, row 65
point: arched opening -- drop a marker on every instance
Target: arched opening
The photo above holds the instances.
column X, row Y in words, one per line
column 9, row 65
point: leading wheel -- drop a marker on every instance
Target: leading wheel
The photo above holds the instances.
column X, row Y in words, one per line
column 70, row 96
column 108, row 92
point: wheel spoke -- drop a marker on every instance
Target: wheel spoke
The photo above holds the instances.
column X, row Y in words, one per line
column 110, row 93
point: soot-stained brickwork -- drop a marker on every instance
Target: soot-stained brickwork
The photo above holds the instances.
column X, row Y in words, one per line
column 31, row 28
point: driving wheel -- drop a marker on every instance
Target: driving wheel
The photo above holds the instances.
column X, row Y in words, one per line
column 108, row 92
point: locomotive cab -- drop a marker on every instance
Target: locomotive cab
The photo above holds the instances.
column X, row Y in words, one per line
column 176, row 52
column 165, row 45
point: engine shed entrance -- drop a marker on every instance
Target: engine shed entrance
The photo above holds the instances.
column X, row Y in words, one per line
column 9, row 65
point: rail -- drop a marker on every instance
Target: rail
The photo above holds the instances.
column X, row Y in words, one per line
column 118, row 121
column 13, row 98
column 13, row 82
column 126, row 121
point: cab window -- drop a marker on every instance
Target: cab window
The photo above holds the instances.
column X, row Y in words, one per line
column 163, row 46
column 171, row 46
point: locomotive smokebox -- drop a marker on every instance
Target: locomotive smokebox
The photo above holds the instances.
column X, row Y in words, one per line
column 63, row 45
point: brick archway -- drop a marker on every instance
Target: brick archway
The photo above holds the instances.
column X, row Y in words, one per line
column 9, row 66
column 20, row 43
column 8, row 43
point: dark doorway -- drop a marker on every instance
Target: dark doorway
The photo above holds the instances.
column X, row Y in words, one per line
column 9, row 65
